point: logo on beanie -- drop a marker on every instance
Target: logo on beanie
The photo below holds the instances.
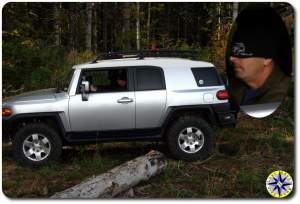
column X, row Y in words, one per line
column 239, row 50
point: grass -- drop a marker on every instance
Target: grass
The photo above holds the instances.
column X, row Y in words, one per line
column 242, row 160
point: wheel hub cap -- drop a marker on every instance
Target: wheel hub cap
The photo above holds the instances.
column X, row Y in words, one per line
column 191, row 140
column 36, row 147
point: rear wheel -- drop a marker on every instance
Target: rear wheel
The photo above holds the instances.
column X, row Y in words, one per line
column 36, row 145
column 190, row 138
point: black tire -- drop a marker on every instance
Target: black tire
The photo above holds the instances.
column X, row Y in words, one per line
column 179, row 125
column 41, row 129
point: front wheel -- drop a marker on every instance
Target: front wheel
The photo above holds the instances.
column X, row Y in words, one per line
column 36, row 145
column 190, row 138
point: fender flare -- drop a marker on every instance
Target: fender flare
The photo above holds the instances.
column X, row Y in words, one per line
column 207, row 109
column 54, row 115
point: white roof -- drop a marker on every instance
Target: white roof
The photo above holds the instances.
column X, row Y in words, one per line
column 160, row 62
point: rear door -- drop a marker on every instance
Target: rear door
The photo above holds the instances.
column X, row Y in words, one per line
column 150, row 94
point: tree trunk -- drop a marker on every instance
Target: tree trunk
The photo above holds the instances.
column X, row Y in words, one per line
column 148, row 22
column 235, row 11
column 88, row 39
column 73, row 19
column 57, row 25
column 185, row 20
column 119, row 179
column 138, row 46
column 116, row 31
column 178, row 28
column 126, row 26
column 95, row 28
column 105, row 26
column 219, row 21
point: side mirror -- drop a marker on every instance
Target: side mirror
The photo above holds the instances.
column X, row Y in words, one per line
column 85, row 89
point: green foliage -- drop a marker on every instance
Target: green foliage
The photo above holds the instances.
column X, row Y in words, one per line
column 36, row 68
column 205, row 54
column 278, row 142
column 50, row 169
column 75, row 57
column 39, row 78
column 251, row 182
column 90, row 163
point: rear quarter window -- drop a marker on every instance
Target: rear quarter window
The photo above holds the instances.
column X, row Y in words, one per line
column 206, row 76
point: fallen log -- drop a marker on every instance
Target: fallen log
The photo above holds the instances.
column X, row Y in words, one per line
column 119, row 179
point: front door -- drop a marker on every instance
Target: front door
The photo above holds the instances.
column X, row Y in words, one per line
column 110, row 104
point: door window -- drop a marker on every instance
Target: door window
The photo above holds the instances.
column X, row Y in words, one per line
column 113, row 80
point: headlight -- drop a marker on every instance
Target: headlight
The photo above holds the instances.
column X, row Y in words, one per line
column 6, row 112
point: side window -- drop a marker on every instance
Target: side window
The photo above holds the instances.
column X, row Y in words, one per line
column 151, row 78
column 206, row 76
column 113, row 80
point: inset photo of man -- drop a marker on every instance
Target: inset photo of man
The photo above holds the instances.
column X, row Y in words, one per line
column 259, row 60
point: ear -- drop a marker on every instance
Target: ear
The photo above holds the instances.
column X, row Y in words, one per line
column 268, row 61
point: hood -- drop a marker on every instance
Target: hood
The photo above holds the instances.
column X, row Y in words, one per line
column 39, row 95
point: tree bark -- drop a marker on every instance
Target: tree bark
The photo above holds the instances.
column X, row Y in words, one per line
column 88, row 40
column 235, row 11
column 148, row 22
column 126, row 26
column 57, row 24
column 104, row 9
column 95, row 28
column 73, row 32
column 219, row 21
column 138, row 46
column 119, row 179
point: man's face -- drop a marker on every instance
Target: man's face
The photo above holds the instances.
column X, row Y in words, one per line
column 121, row 83
column 248, row 69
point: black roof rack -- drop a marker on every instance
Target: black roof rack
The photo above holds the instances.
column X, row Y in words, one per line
column 148, row 53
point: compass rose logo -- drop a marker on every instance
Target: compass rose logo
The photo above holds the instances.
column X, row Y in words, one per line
column 279, row 184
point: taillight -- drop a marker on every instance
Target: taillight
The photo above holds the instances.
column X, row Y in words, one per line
column 6, row 112
column 222, row 95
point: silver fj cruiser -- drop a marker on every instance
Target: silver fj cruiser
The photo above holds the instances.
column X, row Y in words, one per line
column 122, row 97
